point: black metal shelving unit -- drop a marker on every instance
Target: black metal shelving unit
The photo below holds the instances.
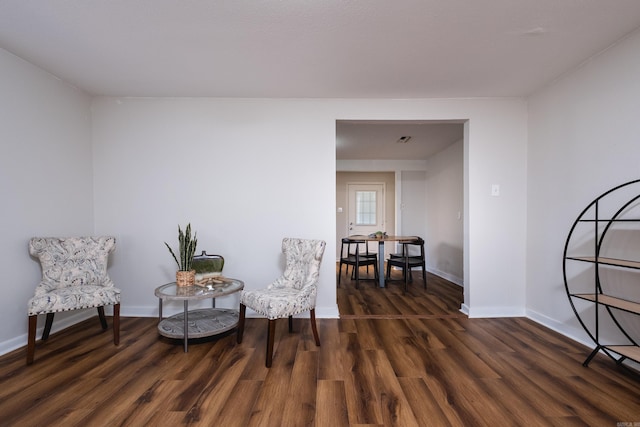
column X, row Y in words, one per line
column 617, row 206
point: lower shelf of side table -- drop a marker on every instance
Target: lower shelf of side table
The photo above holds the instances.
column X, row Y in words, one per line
column 201, row 323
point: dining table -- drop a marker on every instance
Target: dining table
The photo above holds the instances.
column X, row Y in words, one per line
column 381, row 241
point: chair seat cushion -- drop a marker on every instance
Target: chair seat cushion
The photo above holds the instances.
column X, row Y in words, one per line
column 276, row 303
column 400, row 262
column 73, row 298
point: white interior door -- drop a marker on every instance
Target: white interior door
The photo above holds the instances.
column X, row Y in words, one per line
column 365, row 208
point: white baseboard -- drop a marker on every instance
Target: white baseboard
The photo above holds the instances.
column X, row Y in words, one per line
column 574, row 334
column 495, row 312
column 447, row 276
column 464, row 308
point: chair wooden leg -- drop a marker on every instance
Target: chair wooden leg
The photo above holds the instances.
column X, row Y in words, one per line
column 242, row 312
column 406, row 274
column 290, row 324
column 314, row 328
column 424, row 277
column 116, row 324
column 270, row 339
column 103, row 319
column 31, row 340
column 47, row 326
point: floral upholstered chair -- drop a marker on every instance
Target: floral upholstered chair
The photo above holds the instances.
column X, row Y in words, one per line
column 294, row 292
column 74, row 276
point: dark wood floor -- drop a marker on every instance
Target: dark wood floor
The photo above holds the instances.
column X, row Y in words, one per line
column 411, row 360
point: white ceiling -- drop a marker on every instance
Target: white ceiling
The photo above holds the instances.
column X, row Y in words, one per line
column 378, row 140
column 312, row 48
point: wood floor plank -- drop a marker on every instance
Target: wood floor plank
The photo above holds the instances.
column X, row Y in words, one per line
column 517, row 408
column 220, row 377
column 122, row 398
column 400, row 348
column 331, row 354
column 366, row 336
column 143, row 410
column 469, row 397
column 408, row 358
column 462, row 357
column 164, row 417
column 391, row 359
column 255, row 340
column 478, row 337
column 361, row 393
column 331, row 406
column 596, row 398
column 427, row 411
column 395, row 408
column 300, row 406
column 358, row 306
column 373, row 393
column 423, row 335
column 57, row 408
column 243, row 396
column 269, row 406
column 525, row 387
column 577, row 400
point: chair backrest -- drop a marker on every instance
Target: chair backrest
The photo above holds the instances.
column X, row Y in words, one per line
column 351, row 246
column 345, row 248
column 407, row 246
column 303, row 258
column 72, row 261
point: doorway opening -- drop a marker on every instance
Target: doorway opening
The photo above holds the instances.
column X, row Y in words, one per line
column 423, row 165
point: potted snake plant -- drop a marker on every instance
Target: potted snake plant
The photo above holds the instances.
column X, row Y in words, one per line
column 185, row 276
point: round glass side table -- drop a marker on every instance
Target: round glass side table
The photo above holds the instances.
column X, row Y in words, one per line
column 202, row 322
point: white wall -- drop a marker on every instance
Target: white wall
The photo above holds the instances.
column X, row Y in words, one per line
column 444, row 208
column 45, row 180
column 583, row 140
column 413, row 205
column 494, row 251
column 245, row 173
column 248, row 172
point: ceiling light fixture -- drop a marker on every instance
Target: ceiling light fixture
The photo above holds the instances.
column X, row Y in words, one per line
column 535, row 31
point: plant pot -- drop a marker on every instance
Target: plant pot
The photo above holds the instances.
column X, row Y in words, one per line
column 186, row 278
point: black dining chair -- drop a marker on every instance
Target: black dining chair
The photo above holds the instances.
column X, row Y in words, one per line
column 351, row 254
column 407, row 260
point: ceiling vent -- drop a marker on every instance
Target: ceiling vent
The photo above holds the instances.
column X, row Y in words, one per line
column 403, row 140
